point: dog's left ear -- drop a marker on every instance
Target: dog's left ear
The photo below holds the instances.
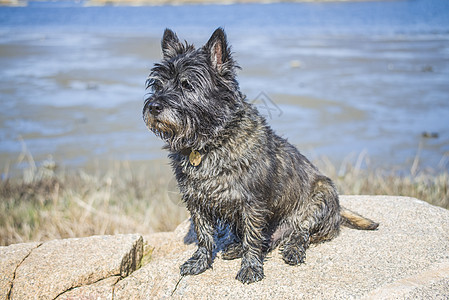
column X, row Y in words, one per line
column 217, row 47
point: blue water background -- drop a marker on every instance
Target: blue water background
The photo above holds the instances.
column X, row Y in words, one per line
column 350, row 18
column 381, row 70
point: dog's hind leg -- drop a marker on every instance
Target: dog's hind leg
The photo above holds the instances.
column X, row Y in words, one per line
column 315, row 221
column 294, row 247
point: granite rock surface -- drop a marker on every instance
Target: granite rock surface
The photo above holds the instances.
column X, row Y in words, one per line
column 407, row 257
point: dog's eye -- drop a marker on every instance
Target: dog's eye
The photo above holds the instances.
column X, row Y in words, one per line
column 186, row 85
column 157, row 85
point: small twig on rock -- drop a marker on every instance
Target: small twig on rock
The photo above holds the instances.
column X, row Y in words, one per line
column 176, row 286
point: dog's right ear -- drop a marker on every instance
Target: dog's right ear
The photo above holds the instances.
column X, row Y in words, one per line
column 170, row 44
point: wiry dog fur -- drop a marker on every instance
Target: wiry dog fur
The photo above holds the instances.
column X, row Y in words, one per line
column 244, row 174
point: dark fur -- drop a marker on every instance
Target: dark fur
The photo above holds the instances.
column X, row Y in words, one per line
column 248, row 177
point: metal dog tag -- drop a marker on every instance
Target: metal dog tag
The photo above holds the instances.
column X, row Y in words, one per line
column 195, row 158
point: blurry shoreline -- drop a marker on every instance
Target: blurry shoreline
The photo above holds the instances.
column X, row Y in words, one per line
column 189, row 2
column 170, row 2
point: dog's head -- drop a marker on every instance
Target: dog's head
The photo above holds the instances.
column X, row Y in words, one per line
column 193, row 93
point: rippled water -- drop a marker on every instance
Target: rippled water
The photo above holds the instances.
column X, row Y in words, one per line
column 334, row 78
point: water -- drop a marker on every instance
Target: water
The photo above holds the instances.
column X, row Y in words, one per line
column 334, row 78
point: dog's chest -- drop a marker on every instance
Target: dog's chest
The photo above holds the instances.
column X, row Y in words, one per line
column 211, row 187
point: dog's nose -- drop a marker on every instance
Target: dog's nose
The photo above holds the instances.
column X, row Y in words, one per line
column 155, row 108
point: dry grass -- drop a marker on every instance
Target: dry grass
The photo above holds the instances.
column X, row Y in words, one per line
column 44, row 204
column 430, row 185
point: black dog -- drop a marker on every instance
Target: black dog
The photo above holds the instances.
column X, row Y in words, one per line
column 231, row 167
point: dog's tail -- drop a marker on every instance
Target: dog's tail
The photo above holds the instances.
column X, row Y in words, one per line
column 354, row 220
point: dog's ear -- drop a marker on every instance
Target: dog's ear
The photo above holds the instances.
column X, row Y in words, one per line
column 170, row 44
column 217, row 47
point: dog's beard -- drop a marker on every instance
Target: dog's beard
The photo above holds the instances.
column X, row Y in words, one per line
column 176, row 135
column 164, row 130
column 161, row 129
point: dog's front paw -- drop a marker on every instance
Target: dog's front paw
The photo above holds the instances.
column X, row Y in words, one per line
column 250, row 274
column 195, row 265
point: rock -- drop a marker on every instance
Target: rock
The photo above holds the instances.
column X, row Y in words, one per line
column 103, row 289
column 62, row 265
column 430, row 284
column 10, row 258
column 408, row 254
column 406, row 258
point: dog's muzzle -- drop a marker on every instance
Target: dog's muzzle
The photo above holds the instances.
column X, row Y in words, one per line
column 154, row 105
column 155, row 108
column 155, row 120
